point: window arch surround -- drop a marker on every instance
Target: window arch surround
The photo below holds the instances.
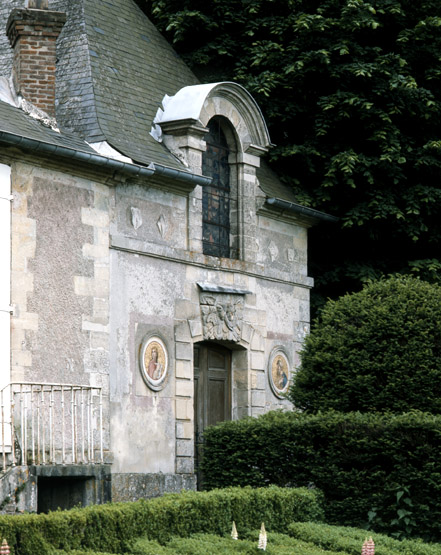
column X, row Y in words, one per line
column 198, row 104
column 184, row 125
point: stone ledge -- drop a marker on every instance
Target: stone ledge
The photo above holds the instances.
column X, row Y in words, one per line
column 164, row 252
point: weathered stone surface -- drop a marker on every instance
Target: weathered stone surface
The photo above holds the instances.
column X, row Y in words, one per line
column 18, row 491
column 222, row 316
column 103, row 260
column 184, row 351
column 184, row 448
column 185, row 465
column 130, row 487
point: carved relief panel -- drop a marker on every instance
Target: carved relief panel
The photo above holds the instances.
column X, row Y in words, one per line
column 222, row 316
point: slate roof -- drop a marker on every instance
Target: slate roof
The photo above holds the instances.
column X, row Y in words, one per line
column 113, row 71
column 133, row 67
column 14, row 121
column 271, row 184
column 131, row 76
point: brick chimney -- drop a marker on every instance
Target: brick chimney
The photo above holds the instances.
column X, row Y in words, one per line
column 32, row 33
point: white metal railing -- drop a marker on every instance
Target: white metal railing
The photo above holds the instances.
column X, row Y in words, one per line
column 53, row 423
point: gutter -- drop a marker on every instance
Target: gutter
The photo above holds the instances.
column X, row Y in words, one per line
column 301, row 210
column 180, row 175
column 104, row 162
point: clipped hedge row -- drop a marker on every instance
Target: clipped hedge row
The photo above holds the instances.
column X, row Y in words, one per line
column 349, row 540
column 360, row 462
column 302, row 538
column 111, row 528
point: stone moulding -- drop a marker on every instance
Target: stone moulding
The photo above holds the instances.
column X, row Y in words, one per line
column 209, row 287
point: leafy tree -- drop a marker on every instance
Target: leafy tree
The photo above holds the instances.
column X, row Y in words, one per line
column 378, row 349
column 351, row 91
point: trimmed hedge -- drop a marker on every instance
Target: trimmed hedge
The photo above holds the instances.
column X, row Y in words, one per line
column 349, row 540
column 302, row 538
column 359, row 461
column 112, row 528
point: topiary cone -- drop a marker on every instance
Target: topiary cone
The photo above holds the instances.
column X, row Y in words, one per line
column 262, row 538
column 4, row 548
column 368, row 547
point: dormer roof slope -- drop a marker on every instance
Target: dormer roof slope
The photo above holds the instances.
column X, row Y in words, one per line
column 114, row 70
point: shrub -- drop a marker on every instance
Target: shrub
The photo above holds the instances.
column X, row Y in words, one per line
column 112, row 528
column 359, row 462
column 303, row 539
column 375, row 350
column 349, row 540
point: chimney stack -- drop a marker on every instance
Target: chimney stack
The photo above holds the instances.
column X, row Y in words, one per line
column 33, row 33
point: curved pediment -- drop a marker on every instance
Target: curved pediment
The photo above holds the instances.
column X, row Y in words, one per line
column 199, row 103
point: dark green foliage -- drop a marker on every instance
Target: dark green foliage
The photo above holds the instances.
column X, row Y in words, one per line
column 359, row 462
column 375, row 350
column 351, row 90
column 112, row 528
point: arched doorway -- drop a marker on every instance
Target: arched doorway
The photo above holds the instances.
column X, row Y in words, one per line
column 212, row 391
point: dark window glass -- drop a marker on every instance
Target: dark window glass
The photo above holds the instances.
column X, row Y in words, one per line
column 216, row 196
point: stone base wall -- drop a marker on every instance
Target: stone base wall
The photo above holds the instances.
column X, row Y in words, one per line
column 19, row 486
column 18, row 491
column 130, row 487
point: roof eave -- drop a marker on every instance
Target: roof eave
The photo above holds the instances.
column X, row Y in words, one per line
column 103, row 162
column 312, row 215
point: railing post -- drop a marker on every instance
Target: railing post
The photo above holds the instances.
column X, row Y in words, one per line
column 63, row 454
column 89, row 403
column 3, row 432
column 43, row 450
column 101, row 426
column 38, row 424
column 51, row 427
column 72, row 417
column 24, row 455
column 82, row 425
column 22, row 421
column 32, row 425
column 92, row 438
column 12, row 401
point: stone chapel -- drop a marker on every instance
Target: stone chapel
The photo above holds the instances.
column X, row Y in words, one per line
column 153, row 269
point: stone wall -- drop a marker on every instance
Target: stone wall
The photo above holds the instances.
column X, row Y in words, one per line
column 99, row 265
column 60, row 279
column 155, row 291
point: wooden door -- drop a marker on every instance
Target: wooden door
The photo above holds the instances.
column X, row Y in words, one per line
column 212, row 395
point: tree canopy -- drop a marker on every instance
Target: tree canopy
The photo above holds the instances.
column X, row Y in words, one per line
column 378, row 349
column 351, row 92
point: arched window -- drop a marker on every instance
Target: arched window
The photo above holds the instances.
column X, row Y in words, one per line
column 216, row 196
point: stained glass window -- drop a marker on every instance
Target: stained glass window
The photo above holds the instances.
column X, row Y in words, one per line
column 216, row 196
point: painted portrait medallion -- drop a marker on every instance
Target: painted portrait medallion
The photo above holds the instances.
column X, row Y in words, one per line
column 278, row 372
column 154, row 362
